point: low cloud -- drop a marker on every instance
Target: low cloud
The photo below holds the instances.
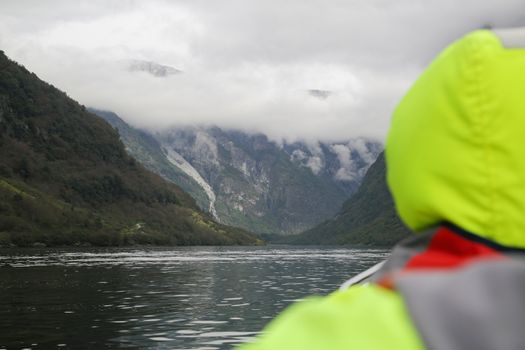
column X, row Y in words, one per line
column 317, row 70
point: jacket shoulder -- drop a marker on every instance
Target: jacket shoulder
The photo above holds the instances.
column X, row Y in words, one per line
column 362, row 317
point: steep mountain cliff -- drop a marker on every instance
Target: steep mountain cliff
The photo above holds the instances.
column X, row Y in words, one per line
column 146, row 149
column 267, row 187
column 249, row 181
column 369, row 217
column 66, row 178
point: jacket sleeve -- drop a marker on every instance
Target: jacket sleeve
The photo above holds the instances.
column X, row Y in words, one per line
column 363, row 317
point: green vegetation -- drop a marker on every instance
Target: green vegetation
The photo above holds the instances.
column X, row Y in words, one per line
column 65, row 178
column 368, row 218
column 147, row 150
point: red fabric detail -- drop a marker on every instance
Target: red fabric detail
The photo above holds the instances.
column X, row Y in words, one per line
column 449, row 250
column 387, row 282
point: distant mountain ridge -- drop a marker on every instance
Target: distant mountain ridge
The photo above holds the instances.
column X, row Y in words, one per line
column 65, row 178
column 369, row 217
column 254, row 183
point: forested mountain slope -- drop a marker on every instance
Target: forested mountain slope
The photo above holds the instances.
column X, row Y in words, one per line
column 65, row 178
column 145, row 148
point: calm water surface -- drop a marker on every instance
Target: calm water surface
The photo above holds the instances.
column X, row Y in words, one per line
column 160, row 298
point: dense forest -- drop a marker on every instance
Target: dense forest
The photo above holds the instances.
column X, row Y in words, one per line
column 65, row 178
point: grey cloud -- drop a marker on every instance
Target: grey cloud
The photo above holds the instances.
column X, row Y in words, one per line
column 349, row 170
column 247, row 64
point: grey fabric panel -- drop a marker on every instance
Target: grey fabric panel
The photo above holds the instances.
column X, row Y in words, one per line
column 481, row 306
column 403, row 252
column 511, row 38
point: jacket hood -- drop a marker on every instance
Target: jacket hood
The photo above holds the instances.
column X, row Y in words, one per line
column 456, row 147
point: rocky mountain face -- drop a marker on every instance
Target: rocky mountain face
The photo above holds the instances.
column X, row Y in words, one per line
column 368, row 218
column 65, row 178
column 252, row 182
column 147, row 150
column 269, row 187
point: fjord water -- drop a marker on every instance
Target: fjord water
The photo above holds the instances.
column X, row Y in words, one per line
column 160, row 298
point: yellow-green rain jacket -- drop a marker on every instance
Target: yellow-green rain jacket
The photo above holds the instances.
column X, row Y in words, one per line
column 456, row 168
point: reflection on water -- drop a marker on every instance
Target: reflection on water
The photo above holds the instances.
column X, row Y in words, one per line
column 160, row 298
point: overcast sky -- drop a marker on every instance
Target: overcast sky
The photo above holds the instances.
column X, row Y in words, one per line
column 246, row 64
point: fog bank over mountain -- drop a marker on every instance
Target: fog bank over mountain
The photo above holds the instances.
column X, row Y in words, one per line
column 316, row 70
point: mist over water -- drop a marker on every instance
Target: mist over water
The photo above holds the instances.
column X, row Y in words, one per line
column 161, row 298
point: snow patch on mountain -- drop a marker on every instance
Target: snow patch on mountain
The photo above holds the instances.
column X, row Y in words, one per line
column 176, row 159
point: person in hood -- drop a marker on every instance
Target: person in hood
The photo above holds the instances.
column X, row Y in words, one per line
column 455, row 158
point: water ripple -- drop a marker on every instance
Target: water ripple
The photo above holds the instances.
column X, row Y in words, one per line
column 160, row 298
